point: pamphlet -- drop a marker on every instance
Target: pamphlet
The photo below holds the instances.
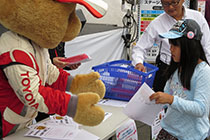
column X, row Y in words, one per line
column 67, row 128
column 141, row 108
column 77, row 59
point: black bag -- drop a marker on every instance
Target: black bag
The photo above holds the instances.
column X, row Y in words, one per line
column 157, row 60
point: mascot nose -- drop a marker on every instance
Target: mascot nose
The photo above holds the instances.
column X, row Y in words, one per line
column 97, row 8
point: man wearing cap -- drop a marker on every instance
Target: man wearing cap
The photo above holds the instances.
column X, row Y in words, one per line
column 174, row 11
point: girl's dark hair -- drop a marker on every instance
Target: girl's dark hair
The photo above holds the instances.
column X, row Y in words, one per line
column 191, row 51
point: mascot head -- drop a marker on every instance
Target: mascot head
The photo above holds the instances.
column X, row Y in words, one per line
column 46, row 22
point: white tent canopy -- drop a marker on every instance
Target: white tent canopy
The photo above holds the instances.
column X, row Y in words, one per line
column 101, row 47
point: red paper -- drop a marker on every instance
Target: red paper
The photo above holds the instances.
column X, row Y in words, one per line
column 76, row 59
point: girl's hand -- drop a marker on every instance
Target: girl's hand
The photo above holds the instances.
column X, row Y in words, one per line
column 162, row 98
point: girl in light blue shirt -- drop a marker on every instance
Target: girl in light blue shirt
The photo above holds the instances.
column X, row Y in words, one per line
column 187, row 91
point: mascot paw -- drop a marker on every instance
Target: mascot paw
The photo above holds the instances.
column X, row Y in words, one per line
column 88, row 83
column 87, row 113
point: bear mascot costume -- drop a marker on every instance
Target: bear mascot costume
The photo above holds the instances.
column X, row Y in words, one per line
column 29, row 82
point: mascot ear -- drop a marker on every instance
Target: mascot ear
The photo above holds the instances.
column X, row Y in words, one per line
column 97, row 8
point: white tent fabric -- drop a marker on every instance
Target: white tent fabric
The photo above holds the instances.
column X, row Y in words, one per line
column 101, row 47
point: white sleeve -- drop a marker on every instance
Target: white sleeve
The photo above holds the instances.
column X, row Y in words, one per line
column 53, row 73
column 199, row 104
column 25, row 82
column 205, row 41
column 145, row 42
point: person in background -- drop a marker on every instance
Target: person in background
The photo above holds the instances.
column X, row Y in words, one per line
column 187, row 88
column 57, row 54
column 174, row 11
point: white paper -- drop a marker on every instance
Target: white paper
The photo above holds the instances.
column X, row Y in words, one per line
column 63, row 120
column 127, row 131
column 82, row 135
column 141, row 108
column 53, row 132
column 107, row 115
column 85, row 135
column 57, row 127
column 57, row 120
column 111, row 102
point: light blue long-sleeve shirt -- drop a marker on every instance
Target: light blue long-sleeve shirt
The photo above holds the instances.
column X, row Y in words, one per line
column 187, row 116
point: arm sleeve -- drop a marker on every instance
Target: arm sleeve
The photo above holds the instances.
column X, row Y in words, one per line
column 25, row 80
column 167, row 87
column 27, row 86
column 200, row 102
column 58, row 78
column 145, row 43
column 205, row 41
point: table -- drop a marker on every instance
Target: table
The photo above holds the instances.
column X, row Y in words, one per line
column 104, row 130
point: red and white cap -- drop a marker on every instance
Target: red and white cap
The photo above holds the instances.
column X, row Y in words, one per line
column 97, row 8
